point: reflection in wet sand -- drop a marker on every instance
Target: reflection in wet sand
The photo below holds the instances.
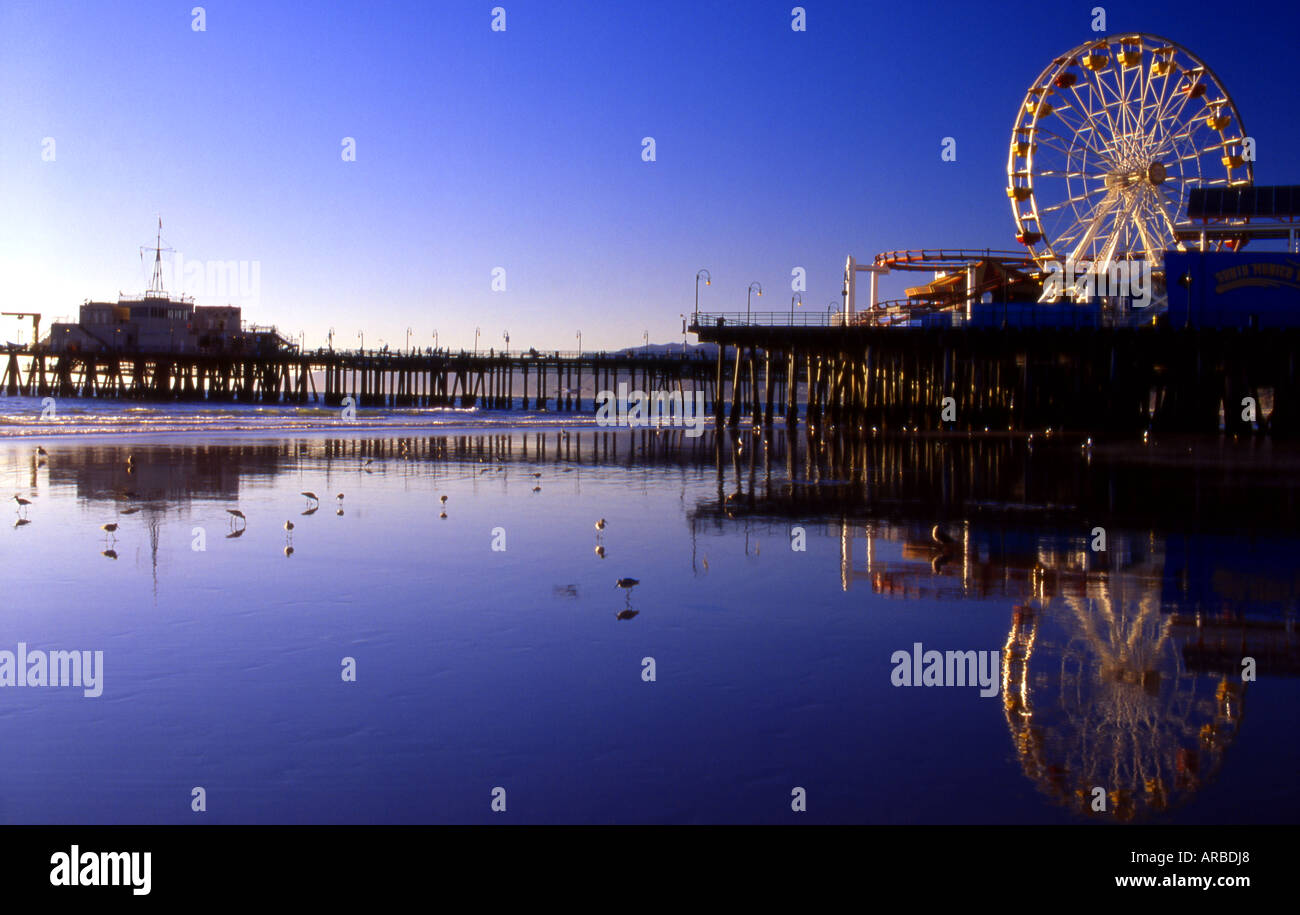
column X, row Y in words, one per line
column 1122, row 668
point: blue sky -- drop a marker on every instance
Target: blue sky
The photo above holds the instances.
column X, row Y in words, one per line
column 521, row 149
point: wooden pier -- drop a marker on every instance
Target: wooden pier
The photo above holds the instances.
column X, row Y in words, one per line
column 1121, row 380
column 529, row 381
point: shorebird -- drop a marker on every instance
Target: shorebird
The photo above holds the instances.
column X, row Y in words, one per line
column 110, row 530
column 236, row 513
column 22, row 503
column 600, row 525
column 311, row 496
column 627, row 583
column 288, row 527
column 339, row 497
column 537, row 476
column 42, row 452
column 443, row 500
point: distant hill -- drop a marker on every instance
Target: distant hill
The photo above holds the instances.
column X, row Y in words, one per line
column 671, row 349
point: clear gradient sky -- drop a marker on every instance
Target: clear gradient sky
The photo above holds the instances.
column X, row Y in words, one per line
column 522, row 149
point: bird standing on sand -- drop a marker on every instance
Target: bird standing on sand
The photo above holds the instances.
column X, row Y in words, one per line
column 311, row 497
column 110, row 530
column 288, row 530
column 236, row 514
column 22, row 503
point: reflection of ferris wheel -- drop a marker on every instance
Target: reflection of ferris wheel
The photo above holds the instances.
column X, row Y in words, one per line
column 1097, row 695
column 1108, row 141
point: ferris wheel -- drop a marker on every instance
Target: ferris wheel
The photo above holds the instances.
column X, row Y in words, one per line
column 1109, row 139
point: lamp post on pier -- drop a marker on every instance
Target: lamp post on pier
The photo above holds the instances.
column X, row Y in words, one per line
column 580, row 344
column 752, row 286
column 361, row 335
column 799, row 296
column 708, row 281
column 477, row 331
column 331, row 339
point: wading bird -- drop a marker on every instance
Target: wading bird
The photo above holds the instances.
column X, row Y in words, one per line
column 443, row 500
column 940, row 537
column 236, row 514
column 22, row 503
column 311, row 498
column 627, row 583
column 600, row 525
column 110, row 530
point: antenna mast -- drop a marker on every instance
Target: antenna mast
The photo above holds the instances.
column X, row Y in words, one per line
column 156, row 290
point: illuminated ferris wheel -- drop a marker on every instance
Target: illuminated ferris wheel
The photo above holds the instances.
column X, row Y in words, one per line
column 1109, row 139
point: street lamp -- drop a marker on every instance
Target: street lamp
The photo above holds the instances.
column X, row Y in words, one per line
column 645, row 335
column 708, row 281
column 752, row 286
column 435, row 341
column 408, row 339
column 579, row 343
column 506, row 335
column 477, row 331
column 331, row 335
column 799, row 296
column 683, row 317
column 361, row 335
